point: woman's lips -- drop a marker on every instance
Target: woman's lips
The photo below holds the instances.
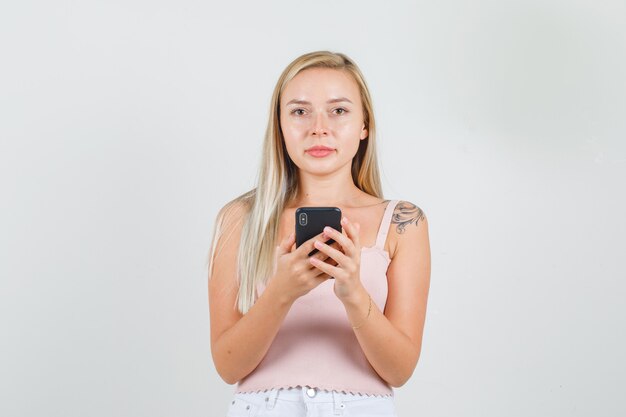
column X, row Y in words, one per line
column 320, row 153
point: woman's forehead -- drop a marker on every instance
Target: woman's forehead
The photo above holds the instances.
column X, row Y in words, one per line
column 320, row 85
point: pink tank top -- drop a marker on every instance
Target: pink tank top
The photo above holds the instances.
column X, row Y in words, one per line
column 316, row 345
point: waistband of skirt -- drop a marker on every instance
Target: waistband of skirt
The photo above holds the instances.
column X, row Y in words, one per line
column 300, row 393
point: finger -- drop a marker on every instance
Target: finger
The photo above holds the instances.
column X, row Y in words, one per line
column 307, row 246
column 335, row 254
column 337, row 236
column 328, row 260
column 325, row 267
column 352, row 230
column 286, row 244
column 323, row 256
column 322, row 276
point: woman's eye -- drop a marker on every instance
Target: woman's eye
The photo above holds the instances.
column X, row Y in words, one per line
column 300, row 112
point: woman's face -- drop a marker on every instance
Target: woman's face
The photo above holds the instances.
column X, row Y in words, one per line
column 322, row 106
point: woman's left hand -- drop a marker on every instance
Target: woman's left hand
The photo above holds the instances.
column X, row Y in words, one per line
column 348, row 269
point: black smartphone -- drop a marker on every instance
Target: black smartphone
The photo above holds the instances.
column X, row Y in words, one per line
column 310, row 222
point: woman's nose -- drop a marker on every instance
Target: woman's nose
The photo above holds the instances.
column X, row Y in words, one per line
column 320, row 124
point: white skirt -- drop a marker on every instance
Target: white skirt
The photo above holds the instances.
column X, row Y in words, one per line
column 306, row 401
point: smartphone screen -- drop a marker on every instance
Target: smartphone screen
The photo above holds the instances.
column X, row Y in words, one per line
column 310, row 222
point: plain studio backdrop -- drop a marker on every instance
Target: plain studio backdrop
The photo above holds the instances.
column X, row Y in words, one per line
column 126, row 125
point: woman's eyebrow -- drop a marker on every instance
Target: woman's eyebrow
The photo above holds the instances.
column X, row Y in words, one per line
column 333, row 100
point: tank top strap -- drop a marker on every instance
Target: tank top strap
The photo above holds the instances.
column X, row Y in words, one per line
column 384, row 224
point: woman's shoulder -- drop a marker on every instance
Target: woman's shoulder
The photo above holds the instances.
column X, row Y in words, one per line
column 405, row 213
column 406, row 223
column 235, row 207
column 241, row 203
column 234, row 211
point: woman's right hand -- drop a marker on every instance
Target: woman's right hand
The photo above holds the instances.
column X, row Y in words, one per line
column 294, row 276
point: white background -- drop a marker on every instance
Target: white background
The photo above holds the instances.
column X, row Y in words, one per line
column 126, row 125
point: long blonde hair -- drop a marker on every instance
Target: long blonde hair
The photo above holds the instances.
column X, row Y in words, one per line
column 277, row 181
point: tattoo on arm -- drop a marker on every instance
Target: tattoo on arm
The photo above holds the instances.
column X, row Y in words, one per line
column 404, row 214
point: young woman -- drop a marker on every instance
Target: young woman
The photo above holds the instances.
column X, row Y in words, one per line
column 332, row 333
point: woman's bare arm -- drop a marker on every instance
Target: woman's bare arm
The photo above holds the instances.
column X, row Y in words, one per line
column 239, row 342
column 392, row 339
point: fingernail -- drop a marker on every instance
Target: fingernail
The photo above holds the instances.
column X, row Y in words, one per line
column 344, row 220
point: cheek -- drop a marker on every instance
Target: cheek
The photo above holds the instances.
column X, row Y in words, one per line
column 348, row 130
column 289, row 131
column 292, row 144
column 347, row 126
column 290, row 128
column 350, row 135
column 291, row 149
column 291, row 135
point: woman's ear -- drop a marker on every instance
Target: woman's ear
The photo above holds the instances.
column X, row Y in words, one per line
column 364, row 132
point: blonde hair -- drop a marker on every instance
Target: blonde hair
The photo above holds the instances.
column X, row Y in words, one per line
column 277, row 181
